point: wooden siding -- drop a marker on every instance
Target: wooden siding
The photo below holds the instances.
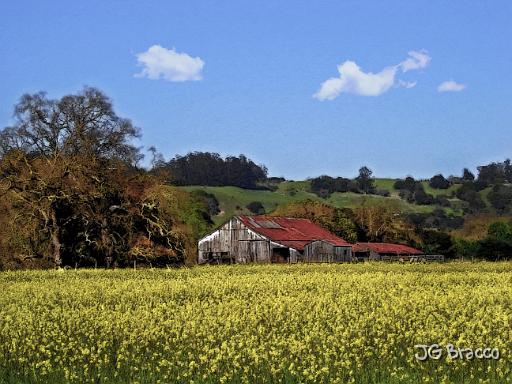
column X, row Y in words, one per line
column 235, row 243
column 323, row 252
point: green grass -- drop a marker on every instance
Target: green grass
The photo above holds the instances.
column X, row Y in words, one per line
column 353, row 200
column 436, row 192
column 233, row 200
column 290, row 187
column 387, row 184
column 484, row 193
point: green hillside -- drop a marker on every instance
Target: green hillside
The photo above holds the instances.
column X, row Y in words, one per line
column 388, row 184
column 437, row 192
column 233, row 200
column 352, row 200
column 484, row 193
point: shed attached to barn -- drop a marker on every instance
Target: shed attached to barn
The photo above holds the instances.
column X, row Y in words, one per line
column 383, row 251
column 245, row 239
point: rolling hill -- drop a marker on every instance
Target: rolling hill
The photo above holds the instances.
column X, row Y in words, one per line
column 234, row 200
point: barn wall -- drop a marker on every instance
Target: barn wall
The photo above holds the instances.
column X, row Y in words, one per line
column 236, row 243
column 322, row 251
column 318, row 251
column 343, row 253
column 374, row 255
column 294, row 256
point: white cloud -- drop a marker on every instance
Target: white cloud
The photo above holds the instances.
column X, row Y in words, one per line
column 407, row 84
column 450, row 86
column 353, row 80
column 416, row 60
column 162, row 63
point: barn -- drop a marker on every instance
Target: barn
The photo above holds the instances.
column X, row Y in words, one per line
column 383, row 251
column 269, row 239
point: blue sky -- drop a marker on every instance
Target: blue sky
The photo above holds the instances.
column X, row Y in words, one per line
column 250, row 77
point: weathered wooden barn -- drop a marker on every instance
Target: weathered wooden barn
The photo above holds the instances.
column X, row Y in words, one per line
column 383, row 251
column 268, row 239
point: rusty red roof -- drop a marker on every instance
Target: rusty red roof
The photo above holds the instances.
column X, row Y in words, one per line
column 291, row 232
column 399, row 249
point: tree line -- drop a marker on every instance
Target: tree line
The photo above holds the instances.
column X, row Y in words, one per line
column 373, row 222
column 211, row 169
column 324, row 186
column 72, row 192
column 496, row 176
column 386, row 222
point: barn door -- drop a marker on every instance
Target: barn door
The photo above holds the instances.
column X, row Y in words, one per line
column 257, row 251
column 280, row 255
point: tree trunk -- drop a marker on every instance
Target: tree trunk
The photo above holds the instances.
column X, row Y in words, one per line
column 106, row 243
column 56, row 245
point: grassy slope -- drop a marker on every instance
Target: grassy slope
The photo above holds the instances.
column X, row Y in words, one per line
column 233, row 200
column 436, row 192
column 484, row 193
column 352, row 200
column 388, row 184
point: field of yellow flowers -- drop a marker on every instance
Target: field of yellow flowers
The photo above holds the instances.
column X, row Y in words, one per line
column 255, row 324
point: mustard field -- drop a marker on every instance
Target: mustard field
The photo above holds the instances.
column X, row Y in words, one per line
column 257, row 324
